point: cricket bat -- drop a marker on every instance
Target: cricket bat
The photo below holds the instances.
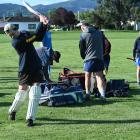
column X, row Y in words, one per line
column 29, row 8
column 130, row 58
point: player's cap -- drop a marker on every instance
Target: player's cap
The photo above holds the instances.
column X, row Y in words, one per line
column 57, row 56
column 85, row 23
column 9, row 27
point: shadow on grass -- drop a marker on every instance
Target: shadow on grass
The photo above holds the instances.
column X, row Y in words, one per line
column 3, row 70
column 66, row 121
column 110, row 100
column 98, row 101
column 11, row 81
column 125, row 100
column 9, row 87
column 8, row 78
column 92, row 102
column 8, row 67
column 131, row 82
column 3, row 94
column 3, row 104
column 134, row 92
column 57, row 67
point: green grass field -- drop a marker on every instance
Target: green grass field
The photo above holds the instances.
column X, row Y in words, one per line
column 118, row 119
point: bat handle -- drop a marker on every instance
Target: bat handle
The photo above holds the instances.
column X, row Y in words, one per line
column 43, row 19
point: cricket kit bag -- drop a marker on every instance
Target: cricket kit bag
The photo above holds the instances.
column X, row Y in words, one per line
column 72, row 78
column 117, row 88
column 61, row 94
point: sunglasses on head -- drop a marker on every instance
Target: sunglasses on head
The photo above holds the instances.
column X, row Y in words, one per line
column 8, row 31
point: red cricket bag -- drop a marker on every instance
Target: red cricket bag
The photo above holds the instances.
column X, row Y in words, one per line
column 72, row 78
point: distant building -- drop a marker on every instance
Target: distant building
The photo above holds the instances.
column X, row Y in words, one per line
column 137, row 26
column 22, row 23
column 80, row 23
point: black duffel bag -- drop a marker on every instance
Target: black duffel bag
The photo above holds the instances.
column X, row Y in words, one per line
column 117, row 88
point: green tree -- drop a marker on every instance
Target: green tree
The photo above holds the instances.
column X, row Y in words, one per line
column 87, row 15
column 135, row 13
column 62, row 17
column 117, row 12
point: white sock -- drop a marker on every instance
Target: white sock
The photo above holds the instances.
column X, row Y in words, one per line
column 34, row 96
column 138, row 76
column 102, row 92
column 19, row 99
column 93, row 80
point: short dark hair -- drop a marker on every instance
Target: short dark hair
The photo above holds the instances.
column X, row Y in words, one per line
column 85, row 23
column 57, row 56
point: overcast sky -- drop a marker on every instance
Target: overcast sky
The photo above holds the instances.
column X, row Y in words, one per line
column 32, row 2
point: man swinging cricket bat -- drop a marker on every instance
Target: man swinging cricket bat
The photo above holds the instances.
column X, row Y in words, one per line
column 129, row 58
column 29, row 8
column 30, row 68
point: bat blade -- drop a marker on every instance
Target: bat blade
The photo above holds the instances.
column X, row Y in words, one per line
column 130, row 58
column 29, row 8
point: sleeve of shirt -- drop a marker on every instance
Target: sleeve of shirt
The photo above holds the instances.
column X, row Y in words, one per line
column 39, row 34
column 49, row 53
column 109, row 46
column 82, row 47
column 19, row 45
column 134, row 49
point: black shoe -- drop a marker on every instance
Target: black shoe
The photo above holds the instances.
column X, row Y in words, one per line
column 12, row 116
column 30, row 123
column 87, row 97
column 103, row 99
column 138, row 84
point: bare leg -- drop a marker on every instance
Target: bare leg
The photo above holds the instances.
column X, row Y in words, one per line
column 18, row 101
column 138, row 75
column 87, row 81
column 101, row 83
column 34, row 96
column 87, row 85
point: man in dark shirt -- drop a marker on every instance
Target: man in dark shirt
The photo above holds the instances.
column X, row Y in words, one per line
column 30, row 68
column 91, row 50
column 106, row 53
column 47, row 55
column 136, row 56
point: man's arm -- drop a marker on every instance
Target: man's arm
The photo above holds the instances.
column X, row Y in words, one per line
column 41, row 30
column 82, row 47
column 134, row 49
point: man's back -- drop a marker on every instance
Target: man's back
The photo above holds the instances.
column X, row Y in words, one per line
column 28, row 59
column 93, row 43
column 45, row 54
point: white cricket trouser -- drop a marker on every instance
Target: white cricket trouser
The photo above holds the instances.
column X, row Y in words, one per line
column 34, row 96
column 19, row 99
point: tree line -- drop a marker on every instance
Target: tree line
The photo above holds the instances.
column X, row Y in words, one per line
column 116, row 13
column 63, row 18
column 112, row 14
